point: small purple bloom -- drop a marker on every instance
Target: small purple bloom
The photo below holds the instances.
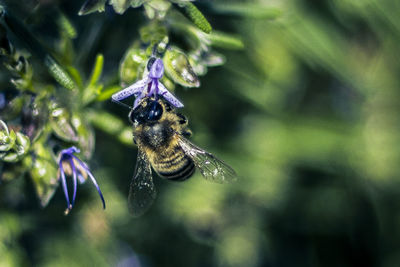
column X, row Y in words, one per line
column 71, row 165
column 148, row 86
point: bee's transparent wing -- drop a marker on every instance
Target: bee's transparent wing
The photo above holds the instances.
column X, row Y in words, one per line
column 141, row 192
column 212, row 168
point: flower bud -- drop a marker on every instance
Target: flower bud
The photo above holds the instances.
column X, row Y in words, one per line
column 44, row 174
column 137, row 3
column 13, row 146
column 7, row 138
column 178, row 68
column 60, row 121
column 85, row 134
column 91, row 6
column 34, row 118
column 130, row 65
column 201, row 60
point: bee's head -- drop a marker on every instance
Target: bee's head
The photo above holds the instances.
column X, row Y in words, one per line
column 149, row 110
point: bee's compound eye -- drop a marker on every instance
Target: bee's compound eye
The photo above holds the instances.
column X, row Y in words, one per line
column 155, row 111
column 136, row 116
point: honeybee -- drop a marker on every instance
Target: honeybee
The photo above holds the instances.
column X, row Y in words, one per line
column 160, row 135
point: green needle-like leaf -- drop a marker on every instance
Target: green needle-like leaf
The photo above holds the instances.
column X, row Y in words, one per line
column 195, row 15
column 227, row 41
column 256, row 11
column 58, row 73
column 66, row 26
column 91, row 6
column 108, row 92
column 97, row 70
column 55, row 70
column 112, row 125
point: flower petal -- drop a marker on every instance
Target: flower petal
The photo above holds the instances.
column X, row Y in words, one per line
column 74, row 180
column 168, row 96
column 153, row 89
column 97, row 187
column 81, row 178
column 92, row 178
column 65, row 188
column 69, row 151
column 80, row 171
column 157, row 69
column 134, row 89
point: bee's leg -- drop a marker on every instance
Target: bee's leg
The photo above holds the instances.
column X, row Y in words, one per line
column 187, row 133
column 168, row 106
column 182, row 119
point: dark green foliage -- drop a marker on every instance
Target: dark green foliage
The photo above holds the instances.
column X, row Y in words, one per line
column 305, row 109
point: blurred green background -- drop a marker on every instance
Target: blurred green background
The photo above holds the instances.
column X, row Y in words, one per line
column 307, row 114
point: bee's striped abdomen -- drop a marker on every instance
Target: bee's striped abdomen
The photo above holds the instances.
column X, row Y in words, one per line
column 180, row 174
column 176, row 166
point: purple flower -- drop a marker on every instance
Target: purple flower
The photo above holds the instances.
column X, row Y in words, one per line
column 71, row 165
column 148, row 86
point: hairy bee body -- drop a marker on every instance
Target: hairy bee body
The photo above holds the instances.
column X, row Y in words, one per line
column 159, row 139
column 160, row 134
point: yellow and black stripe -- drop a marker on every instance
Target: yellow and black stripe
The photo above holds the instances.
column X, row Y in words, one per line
column 174, row 165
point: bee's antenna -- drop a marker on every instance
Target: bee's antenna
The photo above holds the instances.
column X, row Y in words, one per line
column 122, row 104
